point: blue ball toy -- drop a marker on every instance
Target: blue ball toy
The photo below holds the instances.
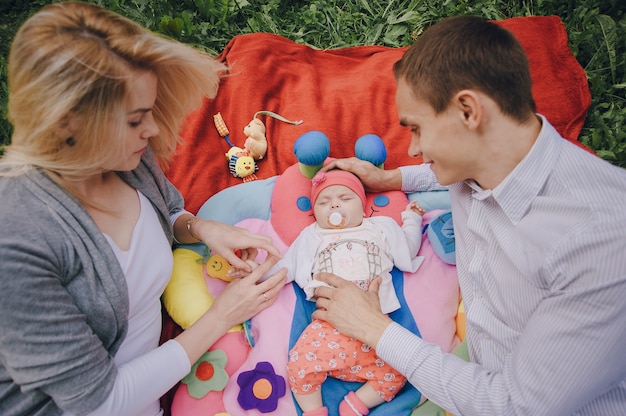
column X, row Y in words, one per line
column 311, row 150
column 370, row 147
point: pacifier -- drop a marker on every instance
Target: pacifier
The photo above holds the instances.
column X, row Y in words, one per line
column 337, row 219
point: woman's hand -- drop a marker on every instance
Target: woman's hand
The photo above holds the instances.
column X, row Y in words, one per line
column 235, row 273
column 352, row 311
column 240, row 300
column 243, row 298
column 227, row 240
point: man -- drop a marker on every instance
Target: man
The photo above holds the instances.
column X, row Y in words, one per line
column 540, row 237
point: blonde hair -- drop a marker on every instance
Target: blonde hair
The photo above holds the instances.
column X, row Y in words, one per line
column 78, row 59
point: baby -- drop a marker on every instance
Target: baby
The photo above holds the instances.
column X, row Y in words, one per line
column 343, row 242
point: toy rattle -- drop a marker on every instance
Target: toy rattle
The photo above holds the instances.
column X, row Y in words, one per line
column 242, row 161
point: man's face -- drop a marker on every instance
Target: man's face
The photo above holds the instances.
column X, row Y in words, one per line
column 440, row 139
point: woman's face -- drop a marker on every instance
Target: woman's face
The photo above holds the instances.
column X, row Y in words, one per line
column 139, row 125
column 338, row 198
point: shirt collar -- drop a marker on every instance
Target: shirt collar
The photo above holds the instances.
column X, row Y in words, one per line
column 516, row 192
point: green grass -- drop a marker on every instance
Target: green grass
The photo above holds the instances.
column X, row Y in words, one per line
column 596, row 29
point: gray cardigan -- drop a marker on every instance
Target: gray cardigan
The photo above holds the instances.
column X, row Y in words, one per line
column 63, row 295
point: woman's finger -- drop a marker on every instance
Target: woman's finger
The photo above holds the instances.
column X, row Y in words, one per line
column 274, row 283
column 261, row 270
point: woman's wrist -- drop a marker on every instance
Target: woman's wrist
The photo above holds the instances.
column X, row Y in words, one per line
column 186, row 229
column 202, row 334
column 189, row 225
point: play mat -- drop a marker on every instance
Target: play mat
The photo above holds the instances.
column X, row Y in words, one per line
column 312, row 104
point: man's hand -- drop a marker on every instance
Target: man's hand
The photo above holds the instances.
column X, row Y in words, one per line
column 374, row 179
column 351, row 310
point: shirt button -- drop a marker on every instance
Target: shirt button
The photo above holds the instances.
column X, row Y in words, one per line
column 486, row 336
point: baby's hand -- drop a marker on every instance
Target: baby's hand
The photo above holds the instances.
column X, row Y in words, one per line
column 236, row 273
column 415, row 207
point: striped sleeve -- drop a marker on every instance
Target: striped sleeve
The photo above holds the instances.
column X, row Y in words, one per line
column 419, row 178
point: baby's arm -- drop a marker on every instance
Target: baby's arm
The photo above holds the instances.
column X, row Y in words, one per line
column 293, row 259
column 415, row 207
column 412, row 226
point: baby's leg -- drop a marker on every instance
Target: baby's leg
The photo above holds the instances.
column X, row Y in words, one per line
column 311, row 401
column 359, row 402
column 383, row 383
column 368, row 396
column 308, row 365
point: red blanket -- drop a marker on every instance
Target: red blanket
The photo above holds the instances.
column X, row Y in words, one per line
column 344, row 93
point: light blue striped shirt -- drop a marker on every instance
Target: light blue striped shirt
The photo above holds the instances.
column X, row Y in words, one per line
column 541, row 262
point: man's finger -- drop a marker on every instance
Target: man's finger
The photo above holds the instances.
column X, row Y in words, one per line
column 322, row 303
column 323, row 292
column 375, row 285
column 329, row 278
column 329, row 166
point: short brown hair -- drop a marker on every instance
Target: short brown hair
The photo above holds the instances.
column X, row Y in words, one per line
column 469, row 52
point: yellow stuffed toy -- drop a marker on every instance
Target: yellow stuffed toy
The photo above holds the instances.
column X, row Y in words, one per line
column 186, row 296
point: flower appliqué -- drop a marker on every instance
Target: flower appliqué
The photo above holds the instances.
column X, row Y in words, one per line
column 207, row 374
column 260, row 388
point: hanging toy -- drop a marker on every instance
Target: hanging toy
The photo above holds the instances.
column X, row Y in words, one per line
column 220, row 125
column 242, row 161
column 256, row 142
column 241, row 164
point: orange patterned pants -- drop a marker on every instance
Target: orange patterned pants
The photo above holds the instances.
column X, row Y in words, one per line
column 323, row 351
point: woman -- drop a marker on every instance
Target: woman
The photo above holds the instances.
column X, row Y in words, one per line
column 89, row 218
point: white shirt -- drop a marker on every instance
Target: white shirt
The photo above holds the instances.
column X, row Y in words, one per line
column 363, row 252
column 541, row 261
column 145, row 370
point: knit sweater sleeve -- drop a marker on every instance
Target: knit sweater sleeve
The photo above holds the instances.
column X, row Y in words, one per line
column 64, row 298
column 54, row 342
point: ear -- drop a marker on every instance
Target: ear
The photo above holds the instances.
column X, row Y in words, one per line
column 470, row 109
column 67, row 127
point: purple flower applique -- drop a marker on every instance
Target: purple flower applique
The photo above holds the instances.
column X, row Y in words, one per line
column 260, row 388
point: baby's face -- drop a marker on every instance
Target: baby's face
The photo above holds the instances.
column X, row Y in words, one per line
column 340, row 199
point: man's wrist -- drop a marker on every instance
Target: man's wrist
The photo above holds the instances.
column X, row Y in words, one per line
column 374, row 332
column 393, row 179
